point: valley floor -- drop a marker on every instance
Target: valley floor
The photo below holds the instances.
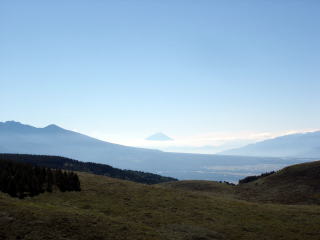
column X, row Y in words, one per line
column 114, row 209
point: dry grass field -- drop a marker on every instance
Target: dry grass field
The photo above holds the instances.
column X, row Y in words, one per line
column 114, row 209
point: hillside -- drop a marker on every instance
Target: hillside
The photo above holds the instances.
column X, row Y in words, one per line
column 204, row 187
column 295, row 184
column 95, row 168
column 114, row 209
column 305, row 145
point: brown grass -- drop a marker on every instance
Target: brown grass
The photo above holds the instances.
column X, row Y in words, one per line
column 115, row 209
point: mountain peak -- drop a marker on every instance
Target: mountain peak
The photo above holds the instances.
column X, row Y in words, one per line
column 20, row 127
column 53, row 126
column 159, row 137
column 13, row 123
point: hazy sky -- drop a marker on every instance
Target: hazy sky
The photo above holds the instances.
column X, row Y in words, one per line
column 122, row 70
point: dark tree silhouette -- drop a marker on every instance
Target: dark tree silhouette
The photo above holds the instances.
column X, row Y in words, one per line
column 253, row 178
column 56, row 162
column 23, row 179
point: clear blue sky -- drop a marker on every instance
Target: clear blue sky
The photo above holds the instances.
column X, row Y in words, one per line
column 178, row 66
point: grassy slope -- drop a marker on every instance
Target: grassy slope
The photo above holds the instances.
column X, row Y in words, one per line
column 115, row 209
column 296, row 184
column 210, row 188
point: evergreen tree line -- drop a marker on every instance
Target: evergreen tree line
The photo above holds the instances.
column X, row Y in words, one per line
column 22, row 179
column 253, row 178
column 57, row 162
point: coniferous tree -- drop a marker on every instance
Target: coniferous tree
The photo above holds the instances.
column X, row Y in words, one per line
column 49, row 180
column 21, row 180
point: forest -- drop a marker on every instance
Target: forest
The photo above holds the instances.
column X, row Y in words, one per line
column 57, row 162
column 26, row 180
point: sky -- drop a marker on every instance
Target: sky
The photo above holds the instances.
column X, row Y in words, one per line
column 206, row 73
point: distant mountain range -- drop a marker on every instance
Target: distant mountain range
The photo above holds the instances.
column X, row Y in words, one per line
column 19, row 138
column 16, row 137
column 305, row 145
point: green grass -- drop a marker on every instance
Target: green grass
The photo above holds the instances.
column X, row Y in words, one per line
column 114, row 209
column 296, row 184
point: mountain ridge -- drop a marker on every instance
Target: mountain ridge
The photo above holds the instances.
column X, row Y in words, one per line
column 292, row 145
